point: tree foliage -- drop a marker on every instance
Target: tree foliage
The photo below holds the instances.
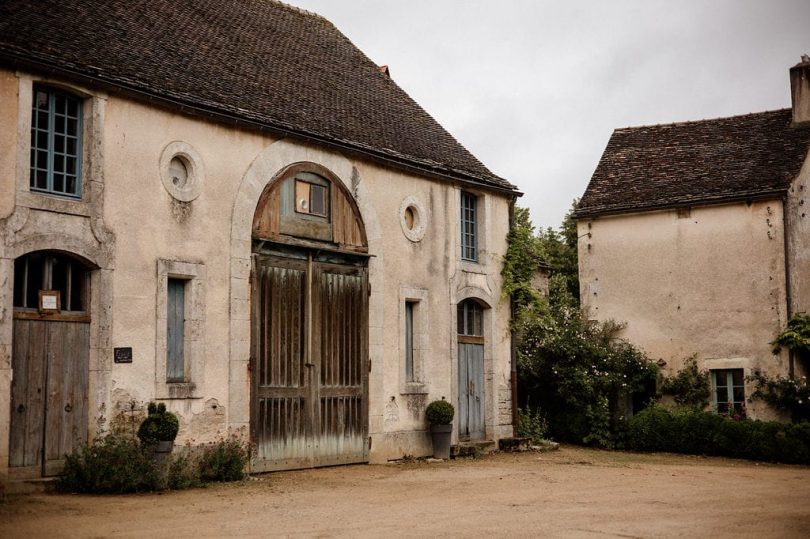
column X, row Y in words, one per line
column 578, row 372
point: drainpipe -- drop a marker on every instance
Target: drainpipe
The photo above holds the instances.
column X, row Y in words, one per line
column 512, row 340
column 788, row 290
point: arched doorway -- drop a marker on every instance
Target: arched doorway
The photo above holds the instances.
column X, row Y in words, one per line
column 50, row 361
column 309, row 314
column 471, row 396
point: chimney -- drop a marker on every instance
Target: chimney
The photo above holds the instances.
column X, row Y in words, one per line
column 800, row 91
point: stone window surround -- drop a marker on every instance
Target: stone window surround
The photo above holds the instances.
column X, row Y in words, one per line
column 89, row 205
column 193, row 162
column 193, row 340
column 420, row 214
column 421, row 339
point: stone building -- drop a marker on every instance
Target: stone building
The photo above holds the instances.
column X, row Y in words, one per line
column 225, row 206
column 697, row 235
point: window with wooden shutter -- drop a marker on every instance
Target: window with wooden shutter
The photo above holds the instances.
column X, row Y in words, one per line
column 175, row 330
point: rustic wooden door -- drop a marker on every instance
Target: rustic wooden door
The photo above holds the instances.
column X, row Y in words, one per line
column 470, row 391
column 470, row 318
column 48, row 394
column 309, row 380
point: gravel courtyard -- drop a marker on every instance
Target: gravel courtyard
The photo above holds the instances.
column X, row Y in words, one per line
column 573, row 492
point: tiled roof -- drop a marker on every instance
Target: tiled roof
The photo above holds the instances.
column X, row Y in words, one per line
column 689, row 163
column 261, row 61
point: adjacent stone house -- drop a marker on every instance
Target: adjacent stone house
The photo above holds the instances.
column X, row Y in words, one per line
column 227, row 207
column 697, row 236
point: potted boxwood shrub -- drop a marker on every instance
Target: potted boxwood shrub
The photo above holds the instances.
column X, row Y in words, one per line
column 439, row 415
column 159, row 429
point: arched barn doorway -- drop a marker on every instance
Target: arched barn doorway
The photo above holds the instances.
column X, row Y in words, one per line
column 309, row 315
column 50, row 361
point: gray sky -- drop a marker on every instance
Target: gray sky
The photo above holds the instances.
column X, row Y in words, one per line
column 535, row 88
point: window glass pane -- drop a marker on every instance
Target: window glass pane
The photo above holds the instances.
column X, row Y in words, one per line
column 722, row 394
column 60, row 103
column 35, row 274
column 460, row 316
column 19, row 282
column 737, row 377
column 302, row 197
column 78, row 287
column 59, row 124
column 41, row 100
column 317, row 200
column 59, row 277
column 41, row 180
column 739, row 395
column 73, row 108
column 58, row 183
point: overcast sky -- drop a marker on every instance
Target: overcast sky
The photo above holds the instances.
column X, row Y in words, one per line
column 535, row 88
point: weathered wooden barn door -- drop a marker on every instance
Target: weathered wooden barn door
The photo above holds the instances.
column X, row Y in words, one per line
column 470, row 372
column 309, row 398
column 50, row 361
column 282, row 404
column 339, row 335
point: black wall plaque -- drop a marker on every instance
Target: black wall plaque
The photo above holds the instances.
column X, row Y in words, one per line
column 122, row 355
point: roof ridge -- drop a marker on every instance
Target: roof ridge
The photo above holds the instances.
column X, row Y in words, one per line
column 704, row 120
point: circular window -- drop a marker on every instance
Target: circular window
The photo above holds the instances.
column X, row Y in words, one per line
column 181, row 171
column 413, row 218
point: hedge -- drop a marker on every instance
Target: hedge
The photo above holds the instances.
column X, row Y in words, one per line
column 697, row 432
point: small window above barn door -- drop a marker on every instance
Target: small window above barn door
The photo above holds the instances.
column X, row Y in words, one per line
column 307, row 205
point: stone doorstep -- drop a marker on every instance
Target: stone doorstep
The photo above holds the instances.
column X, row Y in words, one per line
column 470, row 449
column 30, row 486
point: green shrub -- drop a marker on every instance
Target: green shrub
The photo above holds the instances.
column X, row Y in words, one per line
column 440, row 413
column 690, row 386
column 224, row 460
column 532, row 425
column 693, row 431
column 110, row 465
column 159, row 426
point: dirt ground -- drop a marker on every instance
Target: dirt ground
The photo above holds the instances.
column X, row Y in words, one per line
column 573, row 492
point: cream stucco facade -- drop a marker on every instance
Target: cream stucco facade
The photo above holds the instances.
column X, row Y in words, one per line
column 133, row 233
column 709, row 281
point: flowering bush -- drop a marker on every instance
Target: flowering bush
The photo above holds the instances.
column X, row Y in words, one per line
column 788, row 394
column 580, row 374
column 224, row 460
column 690, row 386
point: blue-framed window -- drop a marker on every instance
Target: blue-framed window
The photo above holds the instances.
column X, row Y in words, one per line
column 728, row 391
column 56, row 142
column 469, row 227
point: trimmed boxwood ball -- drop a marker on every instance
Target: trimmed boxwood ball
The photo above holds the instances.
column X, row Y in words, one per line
column 440, row 413
column 159, row 425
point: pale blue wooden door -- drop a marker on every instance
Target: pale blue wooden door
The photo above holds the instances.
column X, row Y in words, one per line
column 470, row 391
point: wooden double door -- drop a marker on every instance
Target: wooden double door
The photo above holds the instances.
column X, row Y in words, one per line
column 309, row 370
column 48, row 394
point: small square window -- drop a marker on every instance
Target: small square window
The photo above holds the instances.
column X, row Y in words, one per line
column 311, row 198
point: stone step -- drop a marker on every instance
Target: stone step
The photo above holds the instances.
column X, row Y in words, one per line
column 471, row 449
column 515, row 444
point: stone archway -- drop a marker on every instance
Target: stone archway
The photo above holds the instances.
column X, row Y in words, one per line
column 267, row 167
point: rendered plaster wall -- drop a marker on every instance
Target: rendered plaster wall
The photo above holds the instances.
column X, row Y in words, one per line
column 799, row 236
column 8, row 140
column 709, row 282
column 137, row 234
column 213, row 230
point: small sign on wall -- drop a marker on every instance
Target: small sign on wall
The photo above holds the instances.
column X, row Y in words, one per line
column 122, row 355
column 50, row 301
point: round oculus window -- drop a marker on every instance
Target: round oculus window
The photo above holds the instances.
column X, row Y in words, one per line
column 181, row 171
column 413, row 218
